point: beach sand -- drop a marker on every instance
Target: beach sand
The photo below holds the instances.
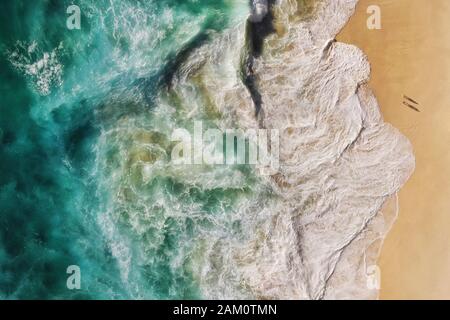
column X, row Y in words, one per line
column 410, row 56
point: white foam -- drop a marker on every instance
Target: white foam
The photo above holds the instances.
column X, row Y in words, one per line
column 340, row 162
column 319, row 228
column 43, row 69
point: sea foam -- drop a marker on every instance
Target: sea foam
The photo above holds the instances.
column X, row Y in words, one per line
column 341, row 164
column 311, row 231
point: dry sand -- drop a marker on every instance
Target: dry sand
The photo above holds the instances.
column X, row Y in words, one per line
column 411, row 55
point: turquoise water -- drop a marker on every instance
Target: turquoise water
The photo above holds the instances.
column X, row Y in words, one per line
column 79, row 125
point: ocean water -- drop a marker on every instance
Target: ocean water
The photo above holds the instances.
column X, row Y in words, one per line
column 86, row 179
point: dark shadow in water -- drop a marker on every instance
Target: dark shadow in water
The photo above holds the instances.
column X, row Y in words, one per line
column 163, row 79
column 256, row 32
column 176, row 61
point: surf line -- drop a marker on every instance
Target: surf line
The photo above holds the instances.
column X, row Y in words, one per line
column 259, row 26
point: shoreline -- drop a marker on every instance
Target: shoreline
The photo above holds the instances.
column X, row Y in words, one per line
column 410, row 56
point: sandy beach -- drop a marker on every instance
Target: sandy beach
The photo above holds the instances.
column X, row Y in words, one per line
column 410, row 56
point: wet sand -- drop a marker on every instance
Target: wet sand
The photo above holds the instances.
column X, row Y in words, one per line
column 410, row 56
